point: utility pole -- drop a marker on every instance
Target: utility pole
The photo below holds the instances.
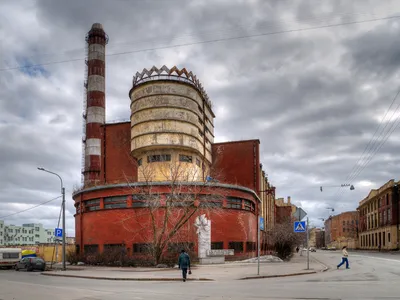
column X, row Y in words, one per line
column 258, row 245
column 308, row 250
column 63, row 230
column 63, row 216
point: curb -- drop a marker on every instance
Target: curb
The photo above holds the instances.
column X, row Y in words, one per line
column 277, row 276
column 125, row 279
column 326, row 267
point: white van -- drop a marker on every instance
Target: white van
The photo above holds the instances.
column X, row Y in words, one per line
column 10, row 256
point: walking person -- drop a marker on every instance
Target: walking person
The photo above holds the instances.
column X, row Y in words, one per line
column 345, row 258
column 184, row 264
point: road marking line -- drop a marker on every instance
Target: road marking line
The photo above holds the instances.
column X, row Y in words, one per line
column 395, row 260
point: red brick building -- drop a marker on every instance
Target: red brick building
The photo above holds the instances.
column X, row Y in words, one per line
column 342, row 229
column 171, row 121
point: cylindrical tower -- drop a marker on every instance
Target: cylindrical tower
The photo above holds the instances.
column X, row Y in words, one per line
column 172, row 125
column 95, row 107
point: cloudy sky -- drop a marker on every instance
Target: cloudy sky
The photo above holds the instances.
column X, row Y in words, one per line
column 312, row 80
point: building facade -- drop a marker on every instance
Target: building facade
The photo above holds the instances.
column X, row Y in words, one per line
column 379, row 218
column 163, row 165
column 342, row 230
column 284, row 211
column 27, row 234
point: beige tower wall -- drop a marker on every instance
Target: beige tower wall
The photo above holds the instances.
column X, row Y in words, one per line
column 171, row 119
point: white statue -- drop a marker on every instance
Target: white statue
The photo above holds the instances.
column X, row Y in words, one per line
column 204, row 233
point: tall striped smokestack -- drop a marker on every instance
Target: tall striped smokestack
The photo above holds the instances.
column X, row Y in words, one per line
column 95, row 107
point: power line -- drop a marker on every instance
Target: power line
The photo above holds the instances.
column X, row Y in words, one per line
column 240, row 26
column 21, row 211
column 210, row 41
column 376, row 145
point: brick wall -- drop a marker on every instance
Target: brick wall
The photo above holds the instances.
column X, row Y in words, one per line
column 119, row 165
column 237, row 163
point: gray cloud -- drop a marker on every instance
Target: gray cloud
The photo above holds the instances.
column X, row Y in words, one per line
column 313, row 98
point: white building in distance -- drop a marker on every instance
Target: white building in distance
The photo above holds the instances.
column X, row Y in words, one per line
column 27, row 234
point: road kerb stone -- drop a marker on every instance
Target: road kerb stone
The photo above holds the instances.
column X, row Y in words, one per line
column 124, row 278
column 277, row 276
column 326, row 267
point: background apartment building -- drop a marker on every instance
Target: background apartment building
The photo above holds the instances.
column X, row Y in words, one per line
column 342, row 230
column 379, row 218
column 27, row 234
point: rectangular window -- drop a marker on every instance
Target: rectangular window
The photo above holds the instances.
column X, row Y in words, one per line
column 250, row 246
column 141, row 248
column 237, row 246
column 90, row 249
column 139, row 162
column 387, row 199
column 10, row 255
column 185, row 158
column 140, row 200
column 233, row 202
column 388, row 237
column 115, row 202
column 158, row 158
column 92, row 205
column 384, row 239
column 217, row 245
column 249, row 205
column 198, row 162
column 389, row 215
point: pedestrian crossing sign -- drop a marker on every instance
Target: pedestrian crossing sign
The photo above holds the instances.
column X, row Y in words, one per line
column 300, row 226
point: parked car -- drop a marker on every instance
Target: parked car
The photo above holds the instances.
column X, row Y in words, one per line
column 312, row 249
column 30, row 264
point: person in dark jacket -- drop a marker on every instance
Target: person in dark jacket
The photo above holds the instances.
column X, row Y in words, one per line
column 184, row 264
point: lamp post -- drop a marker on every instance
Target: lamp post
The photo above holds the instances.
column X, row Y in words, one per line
column 342, row 185
column 63, row 215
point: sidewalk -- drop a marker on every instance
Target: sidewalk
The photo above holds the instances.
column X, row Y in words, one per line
column 225, row 272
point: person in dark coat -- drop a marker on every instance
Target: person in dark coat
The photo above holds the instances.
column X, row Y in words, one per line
column 184, row 264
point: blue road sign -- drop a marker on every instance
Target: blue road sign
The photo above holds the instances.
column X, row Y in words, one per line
column 58, row 232
column 300, row 226
column 261, row 223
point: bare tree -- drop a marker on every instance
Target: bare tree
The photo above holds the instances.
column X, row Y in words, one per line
column 169, row 212
column 284, row 239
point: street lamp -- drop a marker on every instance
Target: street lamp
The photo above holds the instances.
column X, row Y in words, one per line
column 63, row 215
column 342, row 185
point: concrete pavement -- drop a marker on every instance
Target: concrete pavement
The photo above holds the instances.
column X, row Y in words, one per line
column 369, row 278
column 226, row 272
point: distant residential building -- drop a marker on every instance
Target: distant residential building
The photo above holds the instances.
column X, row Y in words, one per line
column 27, row 234
column 1, row 232
column 379, row 218
column 284, row 211
column 320, row 238
column 342, row 230
column 317, row 238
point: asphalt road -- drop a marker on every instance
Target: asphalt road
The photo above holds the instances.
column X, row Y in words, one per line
column 372, row 276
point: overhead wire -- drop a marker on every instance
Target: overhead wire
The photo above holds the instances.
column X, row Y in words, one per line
column 209, row 41
column 30, row 208
column 375, row 143
column 241, row 26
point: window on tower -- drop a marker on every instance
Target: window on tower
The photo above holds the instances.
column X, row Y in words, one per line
column 158, row 158
column 185, row 158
